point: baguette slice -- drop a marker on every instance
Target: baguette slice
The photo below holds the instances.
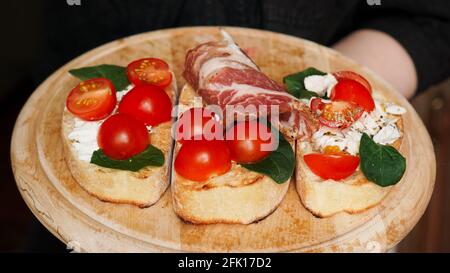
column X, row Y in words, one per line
column 324, row 198
column 239, row 196
column 142, row 188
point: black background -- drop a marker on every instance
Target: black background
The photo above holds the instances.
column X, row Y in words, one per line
column 37, row 37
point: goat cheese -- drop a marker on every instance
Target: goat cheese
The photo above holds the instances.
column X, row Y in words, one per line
column 84, row 133
column 84, row 138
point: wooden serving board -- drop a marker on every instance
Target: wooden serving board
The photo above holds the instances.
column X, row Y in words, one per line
column 87, row 224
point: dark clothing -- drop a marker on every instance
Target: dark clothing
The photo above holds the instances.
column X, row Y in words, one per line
column 422, row 27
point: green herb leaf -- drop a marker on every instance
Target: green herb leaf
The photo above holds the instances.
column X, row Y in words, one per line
column 295, row 83
column 279, row 165
column 381, row 164
column 151, row 156
column 116, row 74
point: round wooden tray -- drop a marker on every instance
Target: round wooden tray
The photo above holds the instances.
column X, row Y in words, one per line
column 87, row 224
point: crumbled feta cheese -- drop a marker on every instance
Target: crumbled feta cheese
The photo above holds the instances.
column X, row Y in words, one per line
column 353, row 139
column 320, row 84
column 369, row 123
column 378, row 124
column 329, row 139
column 387, row 135
column 394, row 109
column 315, row 83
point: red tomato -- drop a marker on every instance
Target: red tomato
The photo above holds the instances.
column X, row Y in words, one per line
column 147, row 103
column 332, row 166
column 122, row 136
column 93, row 99
column 336, row 114
column 353, row 76
column 245, row 140
column 149, row 71
column 199, row 160
column 198, row 123
column 352, row 91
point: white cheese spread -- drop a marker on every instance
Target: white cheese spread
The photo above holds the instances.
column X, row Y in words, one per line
column 84, row 138
column 84, row 133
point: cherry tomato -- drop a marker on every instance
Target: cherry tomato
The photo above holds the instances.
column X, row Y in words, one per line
column 245, row 140
column 147, row 103
column 199, row 160
column 198, row 123
column 353, row 76
column 93, row 99
column 332, row 166
column 122, row 136
column 352, row 91
column 149, row 71
column 336, row 114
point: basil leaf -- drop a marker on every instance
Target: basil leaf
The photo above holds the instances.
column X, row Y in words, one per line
column 116, row 74
column 279, row 165
column 295, row 83
column 381, row 164
column 151, row 156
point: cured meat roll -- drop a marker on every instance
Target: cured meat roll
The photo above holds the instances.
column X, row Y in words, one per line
column 222, row 74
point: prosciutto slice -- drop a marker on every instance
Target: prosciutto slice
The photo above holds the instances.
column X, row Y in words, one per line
column 222, row 74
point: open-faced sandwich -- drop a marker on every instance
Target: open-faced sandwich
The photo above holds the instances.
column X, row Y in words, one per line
column 234, row 137
column 226, row 169
column 116, row 130
column 351, row 159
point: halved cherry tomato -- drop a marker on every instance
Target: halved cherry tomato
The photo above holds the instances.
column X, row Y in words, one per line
column 147, row 103
column 246, row 140
column 332, row 166
column 149, row 71
column 199, row 160
column 353, row 91
column 336, row 114
column 198, row 123
column 353, row 76
column 122, row 136
column 93, row 99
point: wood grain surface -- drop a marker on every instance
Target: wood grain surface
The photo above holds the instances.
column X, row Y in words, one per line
column 87, row 224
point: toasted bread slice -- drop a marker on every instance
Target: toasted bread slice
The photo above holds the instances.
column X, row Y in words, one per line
column 324, row 198
column 142, row 188
column 239, row 196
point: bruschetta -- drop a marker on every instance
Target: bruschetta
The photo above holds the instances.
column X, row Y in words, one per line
column 232, row 179
column 230, row 194
column 116, row 131
column 351, row 161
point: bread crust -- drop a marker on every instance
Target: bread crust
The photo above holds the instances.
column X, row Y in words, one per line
column 237, row 197
column 326, row 198
column 142, row 188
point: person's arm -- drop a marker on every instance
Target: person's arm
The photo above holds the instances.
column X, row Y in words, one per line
column 384, row 55
column 406, row 42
